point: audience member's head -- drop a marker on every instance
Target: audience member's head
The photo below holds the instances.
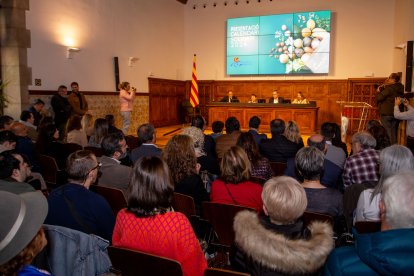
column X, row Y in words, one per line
column 14, row 166
column 336, row 140
column 248, row 144
column 198, row 121
column 362, row 140
column 38, row 105
column 232, row 124
column 397, row 204
column 372, row 123
column 217, row 126
column 328, row 130
column 114, row 145
column 7, row 140
column 284, row 200
column 277, row 127
column 110, row 119
column 150, row 190
column 392, row 160
column 197, row 136
column 309, row 163
column 74, row 123
column 27, row 116
column 292, row 132
column 254, row 122
column 5, row 122
column 381, row 137
column 235, row 166
column 179, row 154
column 87, row 121
column 100, row 128
column 47, row 134
column 146, row 133
column 19, row 129
column 82, row 167
column 318, row 141
column 46, row 120
column 21, row 233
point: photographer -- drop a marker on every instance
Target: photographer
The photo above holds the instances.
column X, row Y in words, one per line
column 407, row 115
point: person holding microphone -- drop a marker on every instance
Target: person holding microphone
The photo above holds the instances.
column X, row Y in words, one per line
column 126, row 101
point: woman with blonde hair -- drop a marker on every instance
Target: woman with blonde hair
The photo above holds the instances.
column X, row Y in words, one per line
column 300, row 99
column 87, row 124
column 278, row 242
column 74, row 131
column 233, row 185
column 149, row 223
column 292, row 133
column 100, row 128
column 126, row 102
column 180, row 156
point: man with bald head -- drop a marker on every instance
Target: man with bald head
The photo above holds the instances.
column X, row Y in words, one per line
column 332, row 174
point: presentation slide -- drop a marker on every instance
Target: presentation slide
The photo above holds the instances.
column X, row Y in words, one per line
column 296, row 43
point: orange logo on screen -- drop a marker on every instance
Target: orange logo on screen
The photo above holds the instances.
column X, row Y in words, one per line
column 236, row 59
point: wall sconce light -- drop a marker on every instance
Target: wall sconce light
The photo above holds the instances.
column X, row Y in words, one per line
column 70, row 51
column 132, row 61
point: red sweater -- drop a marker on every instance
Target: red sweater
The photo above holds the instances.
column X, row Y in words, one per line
column 246, row 194
column 169, row 235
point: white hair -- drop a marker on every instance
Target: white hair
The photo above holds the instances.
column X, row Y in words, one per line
column 397, row 196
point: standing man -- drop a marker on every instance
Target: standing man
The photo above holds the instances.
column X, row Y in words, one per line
column 275, row 97
column 391, row 89
column 61, row 108
column 36, row 109
column 77, row 100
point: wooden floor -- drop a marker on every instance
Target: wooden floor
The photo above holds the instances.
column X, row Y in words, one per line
column 165, row 133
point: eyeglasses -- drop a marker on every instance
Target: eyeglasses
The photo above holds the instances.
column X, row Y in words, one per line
column 96, row 167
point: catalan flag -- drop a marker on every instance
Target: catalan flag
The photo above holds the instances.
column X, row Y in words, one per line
column 194, row 86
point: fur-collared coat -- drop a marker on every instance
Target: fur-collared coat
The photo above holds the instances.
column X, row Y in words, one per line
column 266, row 252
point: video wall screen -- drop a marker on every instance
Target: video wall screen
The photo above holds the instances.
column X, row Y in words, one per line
column 295, row 43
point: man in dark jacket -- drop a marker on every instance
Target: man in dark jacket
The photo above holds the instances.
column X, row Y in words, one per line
column 391, row 251
column 278, row 148
column 391, row 89
column 62, row 109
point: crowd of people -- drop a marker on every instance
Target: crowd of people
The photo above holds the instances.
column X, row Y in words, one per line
column 372, row 183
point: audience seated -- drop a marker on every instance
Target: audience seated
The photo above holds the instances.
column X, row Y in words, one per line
column 88, row 124
column 27, row 118
column 337, row 141
column 278, row 148
column 333, row 153
column 332, row 174
column 13, row 173
column 392, row 160
column 111, row 124
column 254, row 124
column 179, row 154
column 7, row 140
column 362, row 166
column 198, row 121
column 260, row 165
column 217, row 128
column 100, row 130
column 75, row 133
column 147, row 137
column 24, row 145
column 391, row 251
column 74, row 206
column 149, row 223
column 309, row 162
column 226, row 141
column 5, row 122
column 36, row 110
column 113, row 173
column 381, row 136
column 48, row 144
column 207, row 162
column 278, row 243
column 292, row 133
column 233, row 185
column 21, row 232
